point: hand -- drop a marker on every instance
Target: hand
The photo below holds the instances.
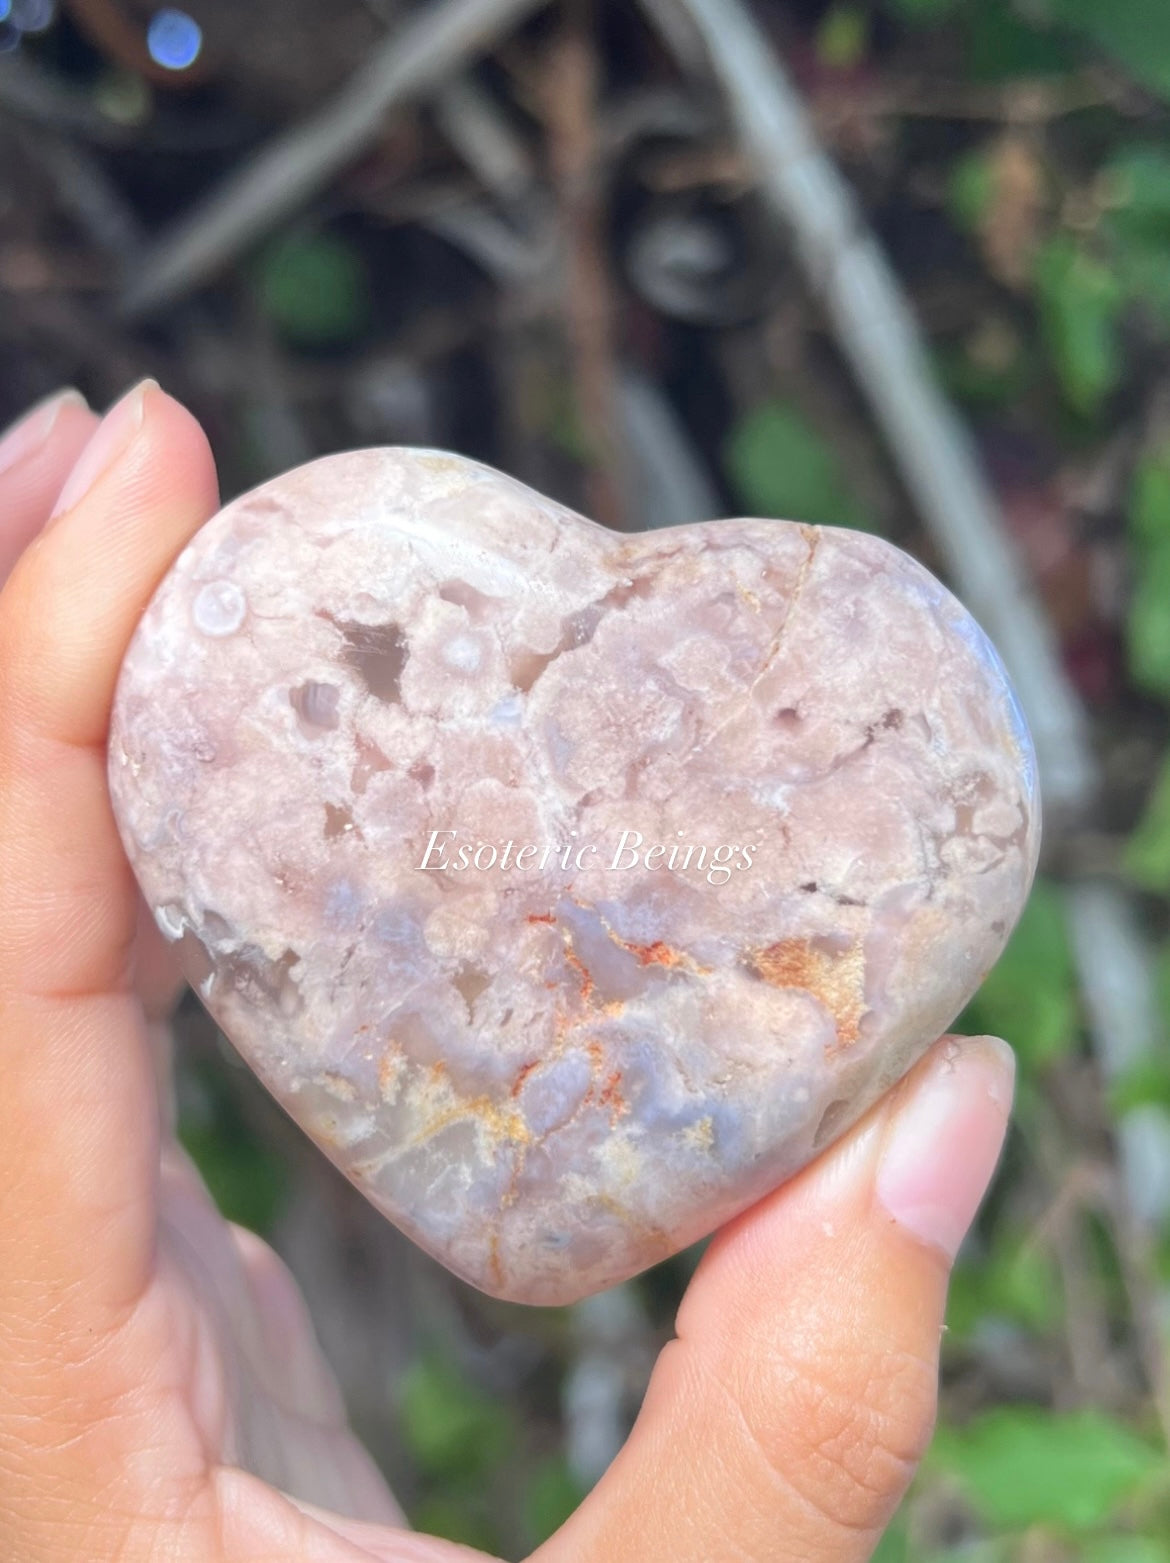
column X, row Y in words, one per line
column 161, row 1393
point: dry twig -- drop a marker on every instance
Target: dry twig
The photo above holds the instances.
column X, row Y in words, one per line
column 436, row 44
column 570, row 90
column 27, row 92
column 847, row 269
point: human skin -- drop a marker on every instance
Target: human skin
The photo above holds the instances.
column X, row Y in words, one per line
column 162, row 1396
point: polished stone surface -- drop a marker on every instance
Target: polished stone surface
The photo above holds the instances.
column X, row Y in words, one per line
column 571, row 890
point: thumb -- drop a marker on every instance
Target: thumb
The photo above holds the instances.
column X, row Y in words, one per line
column 787, row 1417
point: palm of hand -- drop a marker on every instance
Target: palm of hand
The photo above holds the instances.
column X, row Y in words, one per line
column 161, row 1393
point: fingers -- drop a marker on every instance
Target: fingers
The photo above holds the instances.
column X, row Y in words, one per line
column 78, row 1114
column 257, row 1522
column 36, row 455
column 786, row 1419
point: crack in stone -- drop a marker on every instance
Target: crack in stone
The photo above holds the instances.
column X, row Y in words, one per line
column 577, row 630
column 812, row 537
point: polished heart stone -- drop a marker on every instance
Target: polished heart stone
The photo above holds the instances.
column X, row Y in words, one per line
column 570, row 889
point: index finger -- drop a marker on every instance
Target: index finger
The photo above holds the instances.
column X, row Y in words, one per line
column 36, row 454
column 78, row 1117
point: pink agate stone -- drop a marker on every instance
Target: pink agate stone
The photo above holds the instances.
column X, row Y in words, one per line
column 570, row 889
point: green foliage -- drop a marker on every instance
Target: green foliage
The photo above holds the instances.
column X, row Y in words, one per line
column 1162, row 995
column 1148, row 621
column 1029, row 996
column 1136, row 187
column 242, row 1175
column 991, row 367
column 843, row 37
column 1138, row 181
column 1135, row 32
column 315, row 290
column 552, row 1494
column 1146, row 1082
column 780, row 466
column 452, row 1428
column 1000, row 45
column 1147, row 852
column 459, row 1517
column 893, row 1547
column 1149, row 507
column 923, row 11
column 1023, row 1465
column 971, row 189
column 1080, row 301
column 1016, row 1280
column 1125, row 1549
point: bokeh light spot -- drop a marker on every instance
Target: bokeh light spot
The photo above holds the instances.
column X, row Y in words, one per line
column 30, row 16
column 5, row 10
column 174, row 40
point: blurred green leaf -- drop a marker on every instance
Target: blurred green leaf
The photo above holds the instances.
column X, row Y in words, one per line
column 1125, row 1549
column 242, row 1175
column 1000, row 45
column 315, row 290
column 923, row 11
column 564, row 424
column 1080, row 302
column 1017, row 1280
column 1145, row 1083
column 843, row 37
column 1138, row 182
column 994, row 1550
column 893, row 1547
column 1148, row 624
column 1023, row 1465
column 1149, row 505
column 456, row 1517
column 244, row 1180
column 1135, row 32
column 1148, row 620
column 780, row 466
column 452, row 1428
column 990, row 367
column 552, row 1494
column 971, row 188
column 1029, row 996
column 1147, row 852
column 1145, row 277
column 1162, row 998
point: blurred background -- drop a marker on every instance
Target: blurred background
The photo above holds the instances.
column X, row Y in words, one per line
column 668, row 260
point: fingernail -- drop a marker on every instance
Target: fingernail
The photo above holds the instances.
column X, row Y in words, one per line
column 29, row 433
column 111, row 437
column 944, row 1140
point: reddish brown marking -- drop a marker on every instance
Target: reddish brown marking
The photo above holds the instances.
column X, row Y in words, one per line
column 611, row 1095
column 579, row 967
column 541, row 917
column 522, row 1074
column 656, row 954
column 836, row 978
column 659, row 954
